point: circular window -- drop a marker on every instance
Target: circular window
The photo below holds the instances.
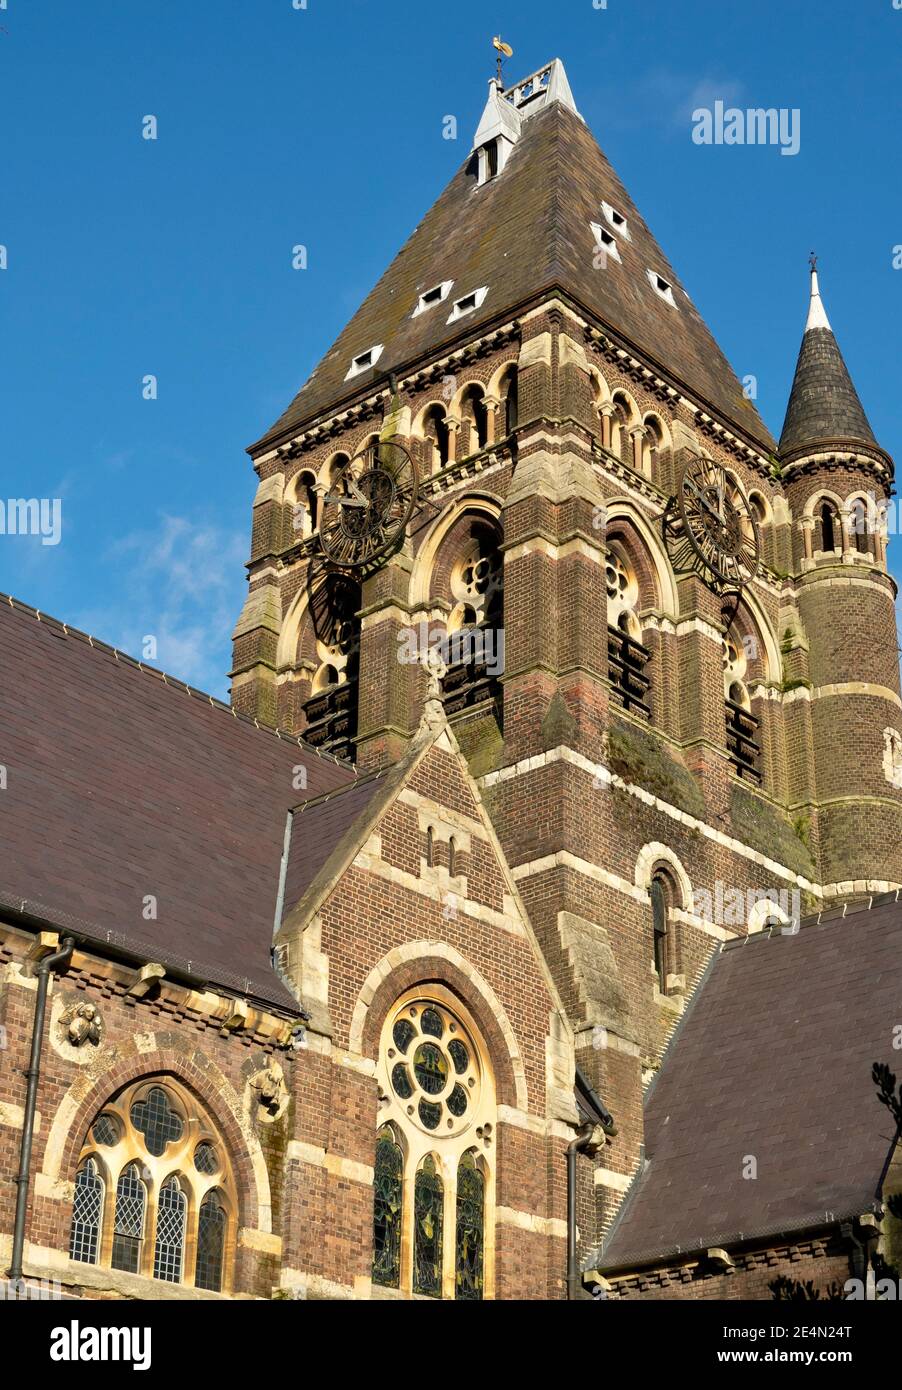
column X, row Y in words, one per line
column 432, row 1068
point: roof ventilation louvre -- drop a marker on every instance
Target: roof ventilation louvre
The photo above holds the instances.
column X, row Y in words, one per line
column 429, row 298
column 661, row 286
column 468, row 303
column 364, row 361
column 605, row 241
column 616, row 220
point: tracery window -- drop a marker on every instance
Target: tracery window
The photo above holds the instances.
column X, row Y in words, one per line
column 154, row 1194
column 627, row 657
column 433, row 1170
column 742, row 726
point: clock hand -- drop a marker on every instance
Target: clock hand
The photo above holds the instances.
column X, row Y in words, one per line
column 347, row 501
column 703, row 502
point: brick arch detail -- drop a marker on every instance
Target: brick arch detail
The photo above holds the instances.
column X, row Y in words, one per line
column 484, row 506
column 655, row 855
column 421, row 964
column 197, row 1074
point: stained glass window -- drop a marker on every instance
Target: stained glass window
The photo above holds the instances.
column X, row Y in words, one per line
column 157, row 1121
column 170, row 1241
column 400, row 1079
column 457, row 1101
column 388, row 1185
column 431, row 1022
column 402, row 1033
column 427, row 1230
column 87, row 1210
column 430, row 1114
column 430, row 1068
column 437, row 1100
column 211, row 1224
column 470, row 1248
column 128, row 1229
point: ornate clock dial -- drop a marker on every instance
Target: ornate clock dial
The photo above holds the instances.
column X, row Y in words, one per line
column 370, row 503
column 710, row 527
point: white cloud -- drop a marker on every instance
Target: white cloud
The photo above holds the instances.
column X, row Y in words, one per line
column 181, row 583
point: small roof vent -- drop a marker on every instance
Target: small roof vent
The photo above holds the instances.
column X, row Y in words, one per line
column 364, row 361
column 467, row 303
column 661, row 286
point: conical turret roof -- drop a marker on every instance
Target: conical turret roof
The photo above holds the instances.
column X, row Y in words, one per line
column 524, row 232
column 823, row 403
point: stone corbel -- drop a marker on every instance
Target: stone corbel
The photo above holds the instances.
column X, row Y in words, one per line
column 145, row 980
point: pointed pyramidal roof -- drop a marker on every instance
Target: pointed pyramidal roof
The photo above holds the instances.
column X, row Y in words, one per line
column 823, row 403
column 523, row 233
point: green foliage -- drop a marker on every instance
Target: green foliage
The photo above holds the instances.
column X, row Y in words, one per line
column 643, row 760
column 785, row 1290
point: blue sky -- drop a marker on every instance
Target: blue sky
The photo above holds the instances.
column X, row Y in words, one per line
column 323, row 126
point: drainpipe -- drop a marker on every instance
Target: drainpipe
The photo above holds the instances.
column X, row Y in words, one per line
column 583, row 1143
column 45, row 965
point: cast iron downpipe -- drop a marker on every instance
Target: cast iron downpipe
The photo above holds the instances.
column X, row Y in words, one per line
column 45, row 965
column 580, row 1144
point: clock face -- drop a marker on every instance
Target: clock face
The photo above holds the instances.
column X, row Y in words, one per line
column 710, row 527
column 368, row 506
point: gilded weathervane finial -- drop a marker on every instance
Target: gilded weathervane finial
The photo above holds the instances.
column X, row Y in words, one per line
column 504, row 51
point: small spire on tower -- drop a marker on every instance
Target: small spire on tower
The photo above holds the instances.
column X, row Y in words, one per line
column 817, row 314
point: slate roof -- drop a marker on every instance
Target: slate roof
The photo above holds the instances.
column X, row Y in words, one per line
column 525, row 232
column 823, row 402
column 772, row 1059
column 319, row 827
column 122, row 782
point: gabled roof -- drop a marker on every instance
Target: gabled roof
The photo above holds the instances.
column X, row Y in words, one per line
column 772, row 1061
column 523, row 233
column 123, row 783
column 823, row 403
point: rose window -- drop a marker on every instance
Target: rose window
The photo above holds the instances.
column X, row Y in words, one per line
column 433, row 1068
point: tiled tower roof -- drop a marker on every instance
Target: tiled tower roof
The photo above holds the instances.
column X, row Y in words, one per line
column 823, row 403
column 522, row 233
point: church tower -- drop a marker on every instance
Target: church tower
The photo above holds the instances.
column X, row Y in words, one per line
column 838, row 482
column 668, row 649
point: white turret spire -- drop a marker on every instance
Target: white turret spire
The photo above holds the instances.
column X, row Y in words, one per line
column 817, row 314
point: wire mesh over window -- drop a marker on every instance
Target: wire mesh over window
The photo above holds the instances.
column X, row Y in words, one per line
column 157, row 1121
column 387, row 1211
column 87, row 1210
column 170, row 1241
column 128, row 1230
column 211, row 1224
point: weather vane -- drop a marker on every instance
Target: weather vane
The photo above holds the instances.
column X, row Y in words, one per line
column 504, row 51
column 812, row 261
